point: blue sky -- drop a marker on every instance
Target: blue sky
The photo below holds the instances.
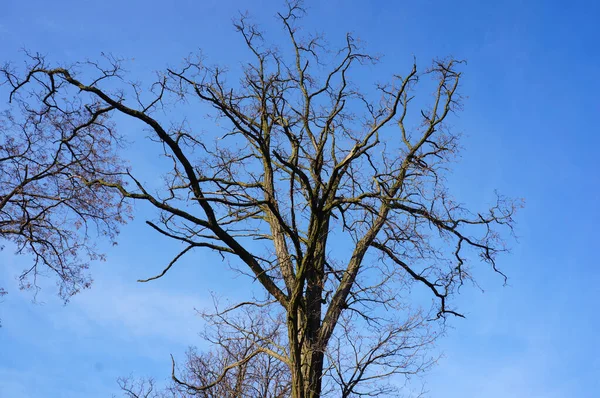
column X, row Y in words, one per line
column 530, row 130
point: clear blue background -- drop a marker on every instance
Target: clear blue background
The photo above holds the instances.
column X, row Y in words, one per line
column 531, row 130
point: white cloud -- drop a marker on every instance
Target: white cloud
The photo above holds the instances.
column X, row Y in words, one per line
column 129, row 309
column 134, row 310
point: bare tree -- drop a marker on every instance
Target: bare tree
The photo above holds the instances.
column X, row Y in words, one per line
column 244, row 361
column 47, row 153
column 141, row 388
column 331, row 196
column 364, row 360
column 238, row 365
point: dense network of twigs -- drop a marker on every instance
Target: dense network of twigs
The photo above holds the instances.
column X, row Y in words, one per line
column 49, row 148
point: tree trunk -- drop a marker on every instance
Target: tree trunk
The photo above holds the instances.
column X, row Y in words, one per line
column 314, row 374
column 307, row 351
column 307, row 375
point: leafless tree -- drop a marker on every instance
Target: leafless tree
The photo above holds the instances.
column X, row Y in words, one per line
column 330, row 195
column 47, row 153
column 245, row 361
column 238, row 365
column 141, row 388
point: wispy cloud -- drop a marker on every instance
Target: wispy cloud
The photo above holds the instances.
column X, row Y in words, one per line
column 139, row 311
column 111, row 330
column 128, row 309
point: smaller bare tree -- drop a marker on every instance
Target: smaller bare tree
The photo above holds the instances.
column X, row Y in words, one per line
column 375, row 360
column 248, row 357
column 240, row 363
